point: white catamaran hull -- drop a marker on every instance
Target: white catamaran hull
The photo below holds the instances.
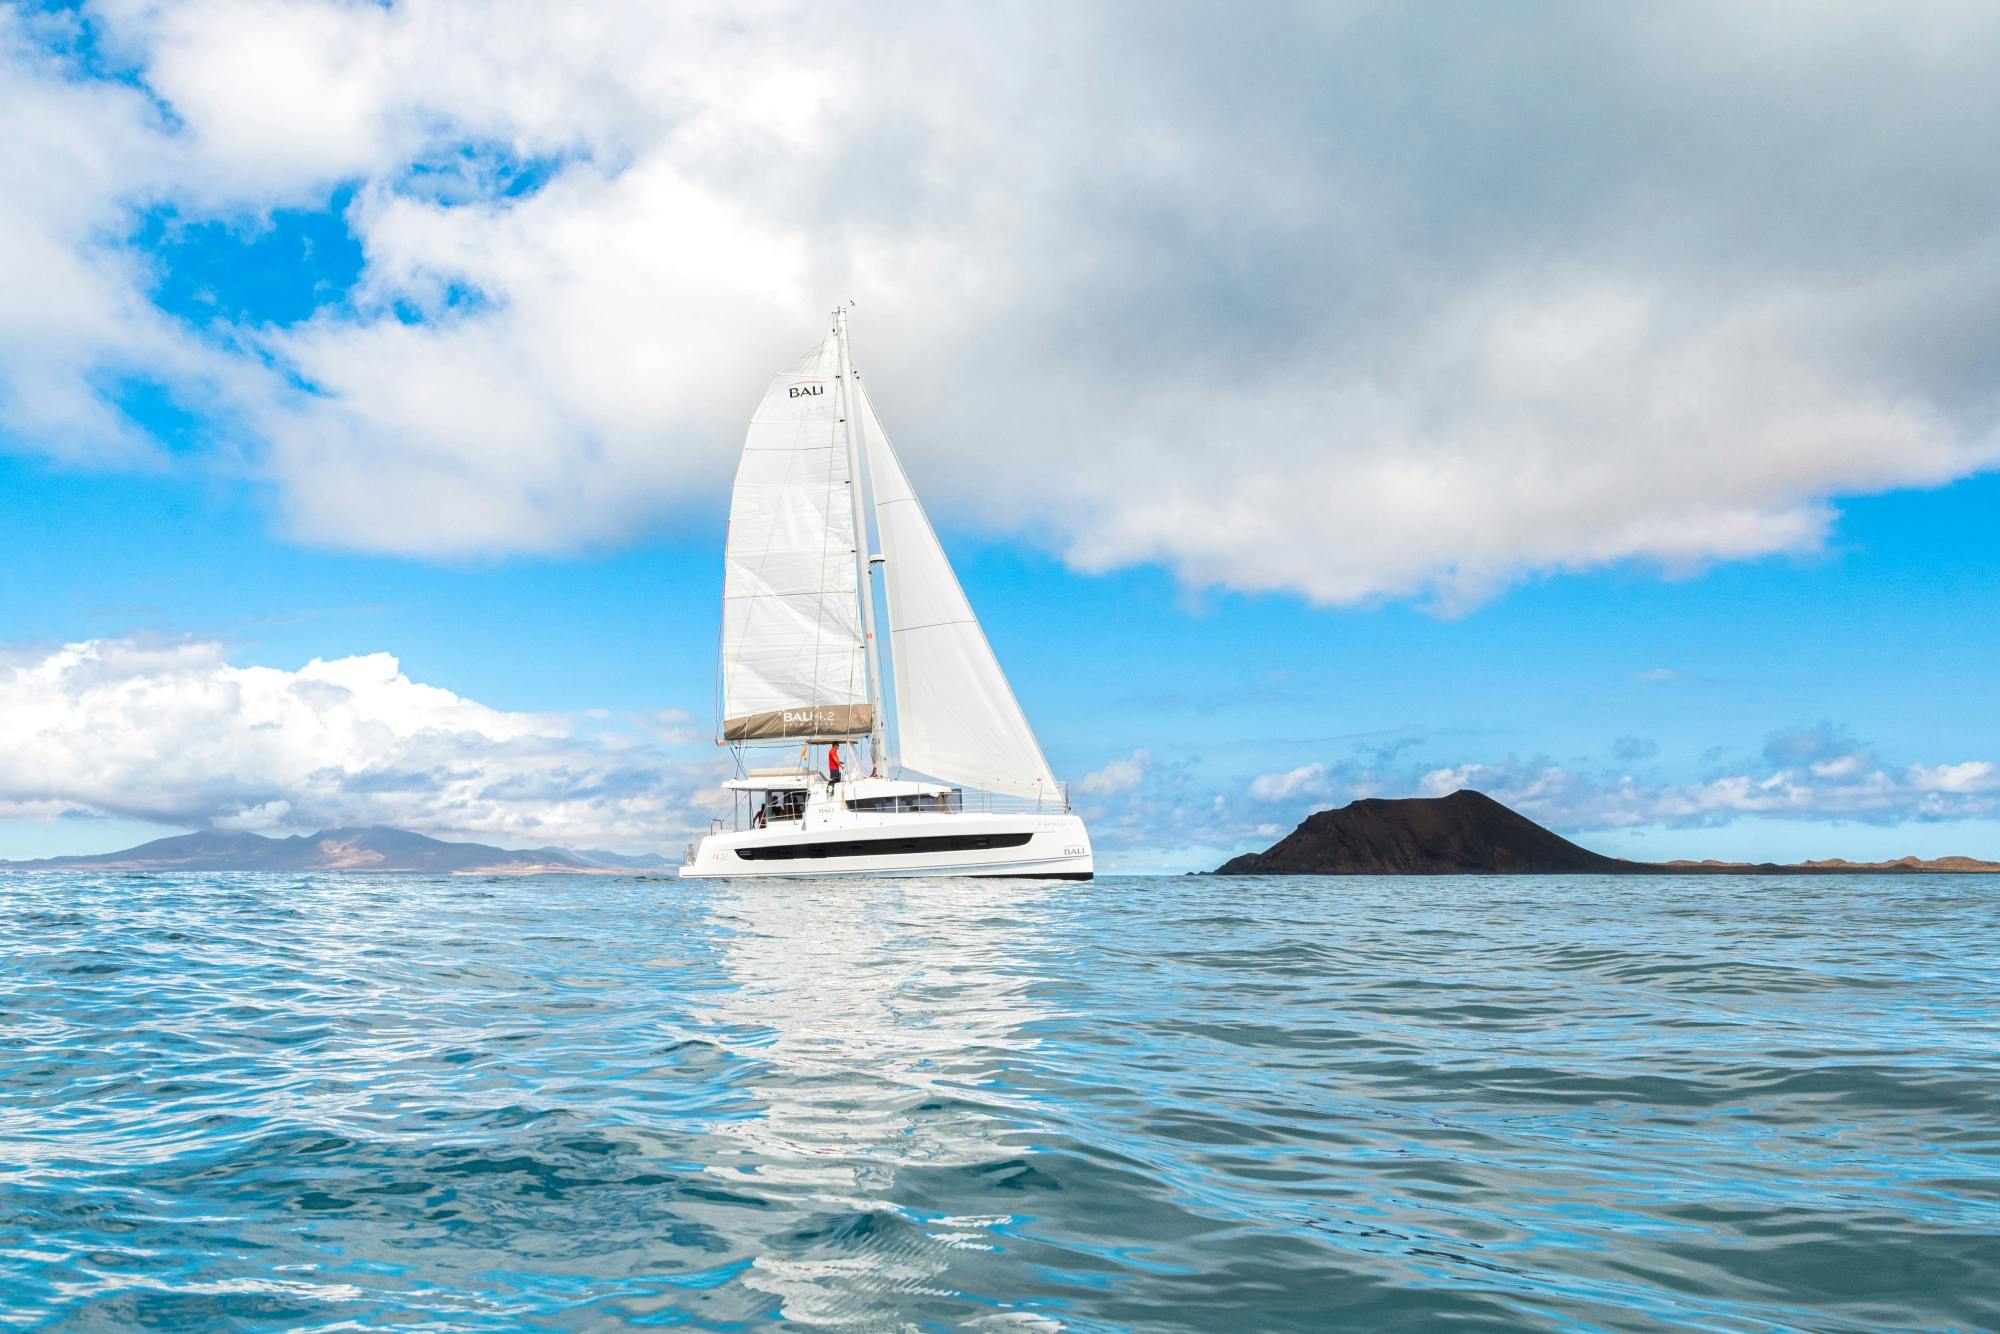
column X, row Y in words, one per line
column 1049, row 847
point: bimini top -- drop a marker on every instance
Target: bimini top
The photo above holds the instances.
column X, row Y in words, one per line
column 870, row 788
column 772, row 780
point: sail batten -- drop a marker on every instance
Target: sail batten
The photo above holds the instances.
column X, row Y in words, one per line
column 792, row 648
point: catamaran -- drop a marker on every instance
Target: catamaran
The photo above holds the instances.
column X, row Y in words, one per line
column 964, row 789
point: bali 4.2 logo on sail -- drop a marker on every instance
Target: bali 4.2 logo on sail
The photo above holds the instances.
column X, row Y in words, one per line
column 814, row 719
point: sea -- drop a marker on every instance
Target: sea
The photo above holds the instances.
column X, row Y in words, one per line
column 1194, row 1103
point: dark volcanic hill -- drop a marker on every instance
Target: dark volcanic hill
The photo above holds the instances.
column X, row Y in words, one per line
column 375, row 848
column 1466, row 833
column 1469, row 833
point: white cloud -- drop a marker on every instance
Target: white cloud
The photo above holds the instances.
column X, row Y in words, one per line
column 1969, row 777
column 1118, row 776
column 276, row 98
column 1855, row 785
column 267, row 815
column 1179, row 308
column 1680, row 436
column 574, row 409
column 670, row 727
column 74, row 316
column 177, row 735
column 1308, row 780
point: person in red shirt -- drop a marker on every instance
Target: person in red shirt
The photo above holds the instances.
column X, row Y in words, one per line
column 833, row 763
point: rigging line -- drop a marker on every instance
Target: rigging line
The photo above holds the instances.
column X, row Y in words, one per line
column 855, row 653
column 779, row 597
column 932, row 625
column 848, row 407
column 835, row 461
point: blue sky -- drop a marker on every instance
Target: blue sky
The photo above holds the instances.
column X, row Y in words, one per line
column 1317, row 433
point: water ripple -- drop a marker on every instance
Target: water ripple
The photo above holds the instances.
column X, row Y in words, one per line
column 328, row 1103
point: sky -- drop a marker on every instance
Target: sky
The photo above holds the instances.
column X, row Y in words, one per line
column 1595, row 405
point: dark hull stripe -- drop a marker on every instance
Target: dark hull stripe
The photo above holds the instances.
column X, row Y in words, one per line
column 881, row 847
column 915, row 872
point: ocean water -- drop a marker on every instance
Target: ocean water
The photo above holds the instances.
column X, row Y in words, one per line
column 252, row 1103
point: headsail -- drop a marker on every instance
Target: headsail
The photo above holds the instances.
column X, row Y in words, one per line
column 792, row 649
column 956, row 717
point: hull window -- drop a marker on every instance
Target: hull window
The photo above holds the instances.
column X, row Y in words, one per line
column 876, row 847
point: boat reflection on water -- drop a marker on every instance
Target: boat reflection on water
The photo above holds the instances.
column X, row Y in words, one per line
column 886, row 1020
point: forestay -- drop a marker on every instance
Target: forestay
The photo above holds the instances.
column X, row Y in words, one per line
column 956, row 717
column 792, row 650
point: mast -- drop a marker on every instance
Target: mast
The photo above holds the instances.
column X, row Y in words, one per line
column 857, row 471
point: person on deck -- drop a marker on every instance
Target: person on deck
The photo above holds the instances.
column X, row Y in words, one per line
column 833, row 763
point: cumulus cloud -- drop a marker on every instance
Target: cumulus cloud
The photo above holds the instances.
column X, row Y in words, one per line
column 671, row 727
column 75, row 321
column 1118, row 776
column 1347, row 301
column 1969, row 778
column 1809, row 773
column 1308, row 780
column 175, row 734
column 1168, row 819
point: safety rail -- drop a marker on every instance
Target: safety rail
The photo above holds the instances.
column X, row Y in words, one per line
column 952, row 801
column 957, row 801
column 1003, row 803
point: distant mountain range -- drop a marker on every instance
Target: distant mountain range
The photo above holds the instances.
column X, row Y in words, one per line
column 374, row 848
column 1466, row 833
column 1469, row 833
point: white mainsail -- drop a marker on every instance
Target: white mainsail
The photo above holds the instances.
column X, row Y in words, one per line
column 792, row 649
column 956, row 718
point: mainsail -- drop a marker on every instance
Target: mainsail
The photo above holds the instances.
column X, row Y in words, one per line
column 792, row 649
column 956, row 718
